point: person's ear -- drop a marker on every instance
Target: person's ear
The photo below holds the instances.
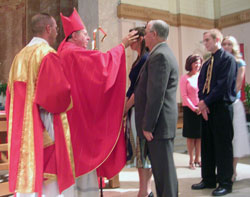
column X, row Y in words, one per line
column 74, row 35
column 154, row 33
column 48, row 29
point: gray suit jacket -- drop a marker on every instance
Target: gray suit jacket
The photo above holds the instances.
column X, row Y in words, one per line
column 155, row 94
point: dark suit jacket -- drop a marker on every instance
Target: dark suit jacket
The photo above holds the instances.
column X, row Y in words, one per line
column 155, row 94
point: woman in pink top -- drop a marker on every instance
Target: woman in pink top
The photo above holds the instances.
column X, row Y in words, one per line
column 191, row 117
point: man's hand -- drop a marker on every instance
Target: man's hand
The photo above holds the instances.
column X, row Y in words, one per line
column 204, row 109
column 205, row 113
column 148, row 135
column 130, row 38
column 202, row 105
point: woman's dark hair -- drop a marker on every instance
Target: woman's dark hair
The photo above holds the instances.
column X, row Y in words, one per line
column 190, row 60
column 141, row 33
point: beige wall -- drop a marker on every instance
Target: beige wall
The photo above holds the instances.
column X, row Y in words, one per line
column 185, row 41
column 211, row 9
column 197, row 8
column 110, row 23
column 190, row 42
column 233, row 6
column 157, row 4
column 191, row 7
column 174, row 43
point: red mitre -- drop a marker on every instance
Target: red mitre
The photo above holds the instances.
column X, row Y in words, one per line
column 72, row 23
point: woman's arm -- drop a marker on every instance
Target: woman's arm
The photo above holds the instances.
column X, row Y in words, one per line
column 129, row 103
column 240, row 77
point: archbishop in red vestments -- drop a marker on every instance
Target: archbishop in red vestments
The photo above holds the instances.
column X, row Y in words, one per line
column 98, row 82
column 98, row 90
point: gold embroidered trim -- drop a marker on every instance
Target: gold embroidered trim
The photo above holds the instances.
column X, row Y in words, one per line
column 67, row 135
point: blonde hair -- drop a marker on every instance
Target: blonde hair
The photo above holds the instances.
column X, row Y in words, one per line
column 236, row 48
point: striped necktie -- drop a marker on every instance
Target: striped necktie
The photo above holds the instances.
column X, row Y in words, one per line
column 209, row 76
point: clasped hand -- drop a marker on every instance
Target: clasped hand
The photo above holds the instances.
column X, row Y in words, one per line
column 203, row 109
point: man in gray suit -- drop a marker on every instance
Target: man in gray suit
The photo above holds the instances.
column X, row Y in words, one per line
column 156, row 108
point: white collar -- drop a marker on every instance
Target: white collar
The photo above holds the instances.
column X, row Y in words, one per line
column 37, row 40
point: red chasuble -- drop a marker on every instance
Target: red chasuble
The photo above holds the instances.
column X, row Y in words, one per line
column 37, row 80
column 98, row 82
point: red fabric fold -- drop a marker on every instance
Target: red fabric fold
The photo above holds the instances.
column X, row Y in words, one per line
column 19, row 101
column 50, row 166
column 65, row 175
column 55, row 100
column 52, row 80
column 115, row 161
column 39, row 154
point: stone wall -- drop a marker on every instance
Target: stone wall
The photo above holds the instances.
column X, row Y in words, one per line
column 12, row 33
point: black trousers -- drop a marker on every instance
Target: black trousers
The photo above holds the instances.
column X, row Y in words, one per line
column 216, row 145
column 163, row 167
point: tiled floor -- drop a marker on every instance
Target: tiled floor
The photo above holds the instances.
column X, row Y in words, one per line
column 186, row 177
